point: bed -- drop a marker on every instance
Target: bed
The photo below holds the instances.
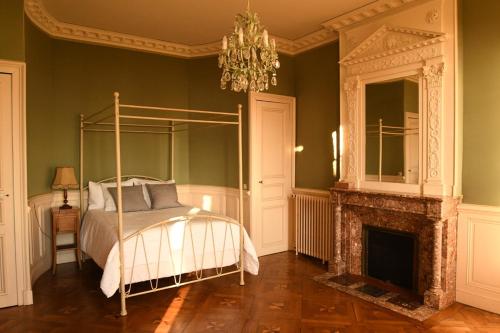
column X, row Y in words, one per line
column 152, row 244
column 205, row 241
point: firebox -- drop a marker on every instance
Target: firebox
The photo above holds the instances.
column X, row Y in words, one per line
column 390, row 256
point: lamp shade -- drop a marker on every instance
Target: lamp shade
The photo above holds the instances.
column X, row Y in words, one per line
column 64, row 179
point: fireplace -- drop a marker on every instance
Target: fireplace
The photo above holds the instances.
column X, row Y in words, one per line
column 390, row 256
column 372, row 228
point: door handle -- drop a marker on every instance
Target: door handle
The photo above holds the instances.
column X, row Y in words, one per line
column 261, row 182
column 5, row 195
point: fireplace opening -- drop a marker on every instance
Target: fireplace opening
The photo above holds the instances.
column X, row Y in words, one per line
column 390, row 256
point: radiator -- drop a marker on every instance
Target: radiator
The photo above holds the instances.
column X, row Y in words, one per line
column 314, row 217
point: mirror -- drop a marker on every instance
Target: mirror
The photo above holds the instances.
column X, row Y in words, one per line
column 392, row 131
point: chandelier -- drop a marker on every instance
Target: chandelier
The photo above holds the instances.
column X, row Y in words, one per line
column 248, row 58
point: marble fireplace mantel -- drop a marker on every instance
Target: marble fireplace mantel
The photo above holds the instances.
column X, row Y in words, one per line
column 432, row 219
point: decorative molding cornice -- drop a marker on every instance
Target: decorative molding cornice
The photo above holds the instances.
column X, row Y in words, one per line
column 39, row 15
column 406, row 40
column 421, row 53
column 364, row 13
column 313, row 40
column 45, row 21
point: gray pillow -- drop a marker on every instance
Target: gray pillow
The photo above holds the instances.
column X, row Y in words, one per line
column 132, row 198
column 163, row 196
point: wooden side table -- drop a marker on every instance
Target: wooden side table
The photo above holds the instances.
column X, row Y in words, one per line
column 65, row 221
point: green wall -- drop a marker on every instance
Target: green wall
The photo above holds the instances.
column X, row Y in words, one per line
column 41, row 141
column 213, row 151
column 317, row 92
column 65, row 79
column 481, row 85
column 12, row 30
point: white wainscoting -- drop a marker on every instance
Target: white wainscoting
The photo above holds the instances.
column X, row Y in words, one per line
column 221, row 200
column 478, row 262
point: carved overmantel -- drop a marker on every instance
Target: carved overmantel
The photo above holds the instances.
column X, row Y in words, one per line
column 388, row 53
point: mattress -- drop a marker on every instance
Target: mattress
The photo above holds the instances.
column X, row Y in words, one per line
column 178, row 248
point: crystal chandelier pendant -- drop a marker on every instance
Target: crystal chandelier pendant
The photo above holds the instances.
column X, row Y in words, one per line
column 248, row 58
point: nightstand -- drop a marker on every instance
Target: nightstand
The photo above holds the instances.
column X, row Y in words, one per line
column 65, row 221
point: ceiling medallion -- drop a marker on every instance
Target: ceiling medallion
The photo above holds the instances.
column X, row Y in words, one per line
column 248, row 58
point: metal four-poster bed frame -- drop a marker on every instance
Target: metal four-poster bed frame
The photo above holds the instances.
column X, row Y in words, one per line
column 100, row 122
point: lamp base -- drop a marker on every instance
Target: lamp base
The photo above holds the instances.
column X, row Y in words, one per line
column 65, row 205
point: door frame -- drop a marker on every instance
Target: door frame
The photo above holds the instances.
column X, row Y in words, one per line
column 406, row 144
column 20, row 191
column 253, row 98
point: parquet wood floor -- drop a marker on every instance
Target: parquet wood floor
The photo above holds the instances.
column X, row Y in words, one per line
column 283, row 298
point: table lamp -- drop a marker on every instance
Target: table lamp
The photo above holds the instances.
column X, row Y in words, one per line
column 64, row 180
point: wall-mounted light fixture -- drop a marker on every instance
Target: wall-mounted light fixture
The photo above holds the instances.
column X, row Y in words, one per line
column 298, row 149
column 334, row 162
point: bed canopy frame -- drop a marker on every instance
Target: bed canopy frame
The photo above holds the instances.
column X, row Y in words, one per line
column 380, row 130
column 127, row 118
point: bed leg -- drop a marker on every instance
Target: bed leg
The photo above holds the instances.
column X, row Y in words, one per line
column 123, row 311
column 242, row 278
column 123, row 301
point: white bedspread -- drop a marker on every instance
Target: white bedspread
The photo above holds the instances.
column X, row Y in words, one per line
column 100, row 241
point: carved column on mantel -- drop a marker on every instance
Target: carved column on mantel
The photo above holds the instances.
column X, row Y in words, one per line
column 434, row 294
column 433, row 175
column 337, row 266
column 348, row 158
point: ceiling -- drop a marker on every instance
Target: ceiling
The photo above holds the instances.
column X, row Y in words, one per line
column 197, row 22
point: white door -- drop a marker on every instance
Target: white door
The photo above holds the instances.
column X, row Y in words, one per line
column 8, row 287
column 411, row 148
column 271, row 149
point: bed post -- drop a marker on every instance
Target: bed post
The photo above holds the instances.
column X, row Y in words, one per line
column 380, row 146
column 119, row 203
column 81, row 162
column 172, row 151
column 241, row 203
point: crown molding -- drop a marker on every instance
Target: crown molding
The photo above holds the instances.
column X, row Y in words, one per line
column 54, row 28
column 315, row 39
column 364, row 13
column 37, row 13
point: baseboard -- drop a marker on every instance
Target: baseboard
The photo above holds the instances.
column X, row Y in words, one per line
column 478, row 301
column 27, row 297
column 65, row 257
column 38, row 268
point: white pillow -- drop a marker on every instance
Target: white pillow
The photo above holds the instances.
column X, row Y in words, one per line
column 109, row 203
column 143, row 182
column 96, row 198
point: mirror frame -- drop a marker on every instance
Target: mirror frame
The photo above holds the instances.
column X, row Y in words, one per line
column 369, row 184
